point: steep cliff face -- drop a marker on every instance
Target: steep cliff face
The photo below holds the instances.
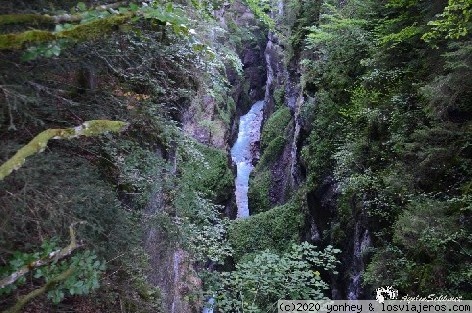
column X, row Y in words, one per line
column 281, row 172
column 365, row 146
column 367, row 149
column 277, row 173
column 243, row 38
column 250, row 38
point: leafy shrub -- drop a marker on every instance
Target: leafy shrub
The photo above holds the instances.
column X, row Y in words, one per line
column 258, row 194
column 275, row 229
column 257, row 284
column 203, row 231
column 137, row 168
column 206, row 170
column 81, row 280
column 279, row 97
column 430, row 249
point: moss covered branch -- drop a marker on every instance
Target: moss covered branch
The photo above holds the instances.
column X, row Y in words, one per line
column 39, row 143
column 6, row 19
column 36, row 19
column 23, row 300
column 53, row 256
column 81, row 32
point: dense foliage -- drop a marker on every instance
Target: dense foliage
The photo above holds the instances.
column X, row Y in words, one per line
column 256, row 285
column 367, row 138
column 393, row 125
column 385, row 117
column 144, row 63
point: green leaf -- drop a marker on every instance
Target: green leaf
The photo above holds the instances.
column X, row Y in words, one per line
column 17, row 263
column 81, row 6
column 123, row 10
column 56, row 50
column 134, row 7
column 38, row 273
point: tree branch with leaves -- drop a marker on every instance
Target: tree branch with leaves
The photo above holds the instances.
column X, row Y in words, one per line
column 86, row 24
column 51, row 257
column 76, row 275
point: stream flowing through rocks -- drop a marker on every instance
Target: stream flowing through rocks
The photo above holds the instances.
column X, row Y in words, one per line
column 243, row 154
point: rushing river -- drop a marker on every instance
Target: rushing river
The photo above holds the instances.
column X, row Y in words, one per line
column 242, row 154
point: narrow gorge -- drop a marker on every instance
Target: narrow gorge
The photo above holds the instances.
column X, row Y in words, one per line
column 218, row 156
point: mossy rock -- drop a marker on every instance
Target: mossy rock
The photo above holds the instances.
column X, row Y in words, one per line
column 272, row 151
column 209, row 173
column 279, row 96
column 259, row 187
column 275, row 229
column 275, row 125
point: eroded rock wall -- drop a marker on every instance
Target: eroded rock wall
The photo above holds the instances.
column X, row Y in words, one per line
column 211, row 119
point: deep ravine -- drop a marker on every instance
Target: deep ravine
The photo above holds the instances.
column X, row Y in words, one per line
column 243, row 153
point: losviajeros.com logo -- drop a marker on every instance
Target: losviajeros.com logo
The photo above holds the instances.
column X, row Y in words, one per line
column 432, row 297
column 388, row 292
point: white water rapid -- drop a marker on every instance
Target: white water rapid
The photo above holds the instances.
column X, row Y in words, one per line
column 242, row 154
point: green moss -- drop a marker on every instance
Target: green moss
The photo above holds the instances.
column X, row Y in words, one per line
column 226, row 107
column 95, row 29
column 273, row 143
column 258, row 194
column 18, row 40
column 275, row 229
column 230, row 109
column 276, row 124
column 39, row 143
column 279, row 94
column 208, row 173
column 96, row 127
column 270, row 154
column 25, row 19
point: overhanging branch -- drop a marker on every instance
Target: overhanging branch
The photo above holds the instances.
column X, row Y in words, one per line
column 53, row 256
column 39, row 143
column 88, row 31
column 23, row 300
column 54, row 19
